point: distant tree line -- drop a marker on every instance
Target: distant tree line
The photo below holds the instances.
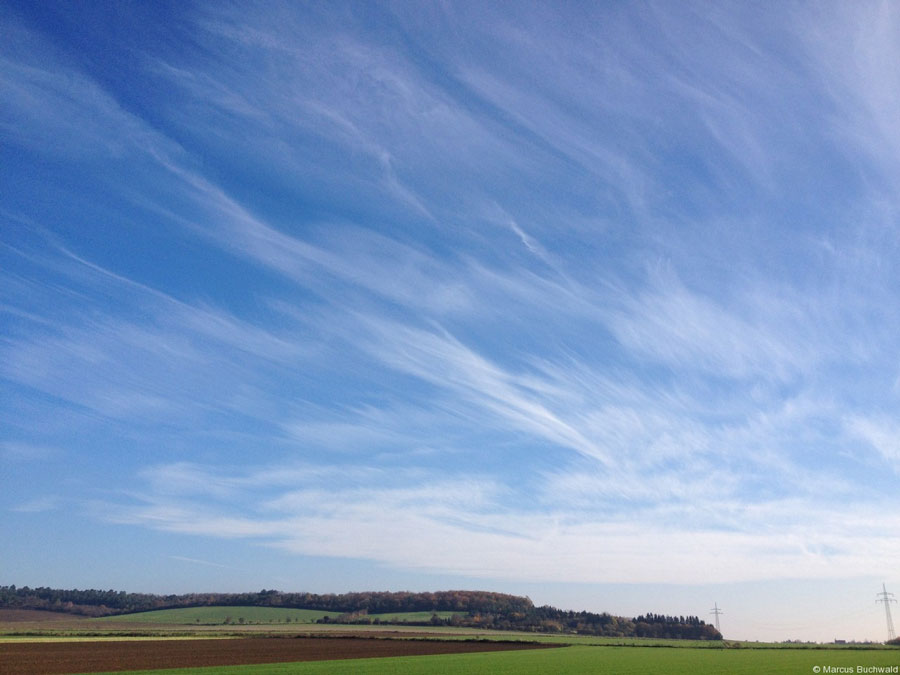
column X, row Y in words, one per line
column 689, row 627
column 549, row 619
column 98, row 602
column 478, row 609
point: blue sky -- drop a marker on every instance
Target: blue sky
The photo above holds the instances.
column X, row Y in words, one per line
column 594, row 302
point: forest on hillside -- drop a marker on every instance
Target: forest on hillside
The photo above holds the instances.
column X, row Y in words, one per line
column 481, row 609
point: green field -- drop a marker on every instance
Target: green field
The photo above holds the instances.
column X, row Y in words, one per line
column 411, row 616
column 220, row 616
column 618, row 660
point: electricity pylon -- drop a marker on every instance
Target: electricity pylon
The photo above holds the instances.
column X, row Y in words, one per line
column 887, row 599
column 715, row 610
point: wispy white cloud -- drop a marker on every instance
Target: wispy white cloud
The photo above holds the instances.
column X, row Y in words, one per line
column 364, row 99
column 443, row 361
column 57, row 111
column 39, row 505
column 360, row 258
column 195, row 561
column 168, row 363
column 26, row 452
column 460, row 526
column 882, row 434
column 683, row 329
column 853, row 52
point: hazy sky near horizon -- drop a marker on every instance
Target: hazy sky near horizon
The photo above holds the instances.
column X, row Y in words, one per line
column 593, row 301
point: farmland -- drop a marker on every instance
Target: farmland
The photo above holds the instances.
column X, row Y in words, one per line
column 621, row 660
column 43, row 658
column 327, row 656
column 173, row 641
column 47, row 647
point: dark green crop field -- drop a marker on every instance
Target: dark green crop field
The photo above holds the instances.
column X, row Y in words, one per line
column 618, row 660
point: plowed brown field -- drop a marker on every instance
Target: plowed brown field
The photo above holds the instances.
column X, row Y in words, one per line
column 50, row 658
column 16, row 615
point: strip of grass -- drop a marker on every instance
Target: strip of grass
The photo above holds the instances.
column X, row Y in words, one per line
column 108, row 627
column 620, row 660
column 220, row 615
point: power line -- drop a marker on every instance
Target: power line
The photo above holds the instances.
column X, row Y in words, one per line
column 715, row 610
column 887, row 599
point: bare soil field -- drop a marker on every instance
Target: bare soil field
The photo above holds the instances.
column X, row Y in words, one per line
column 17, row 615
column 56, row 658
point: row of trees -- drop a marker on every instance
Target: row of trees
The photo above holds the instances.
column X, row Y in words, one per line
column 479, row 609
column 549, row 619
column 687, row 627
